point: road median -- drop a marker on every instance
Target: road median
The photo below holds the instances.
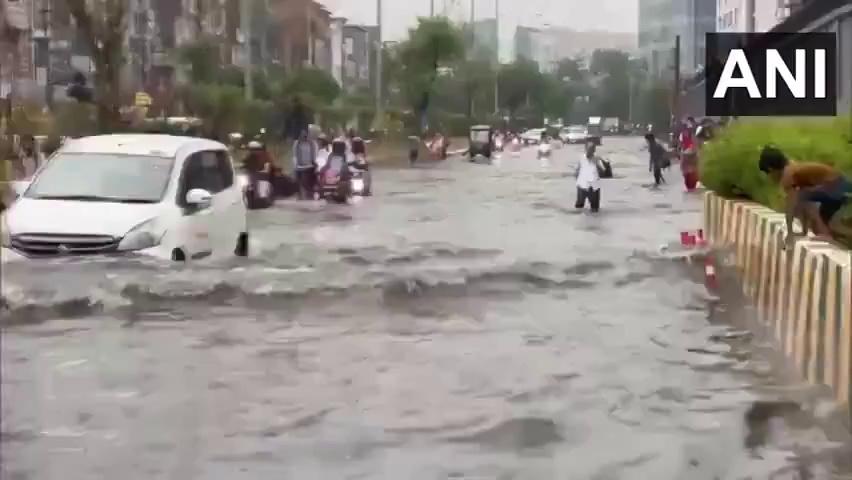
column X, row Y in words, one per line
column 803, row 295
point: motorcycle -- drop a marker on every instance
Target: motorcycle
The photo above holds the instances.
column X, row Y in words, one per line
column 361, row 180
column 544, row 150
column 498, row 144
column 334, row 187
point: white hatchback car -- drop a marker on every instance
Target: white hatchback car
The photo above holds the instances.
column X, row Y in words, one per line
column 574, row 134
column 170, row 197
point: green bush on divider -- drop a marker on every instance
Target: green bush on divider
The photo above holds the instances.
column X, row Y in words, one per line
column 729, row 164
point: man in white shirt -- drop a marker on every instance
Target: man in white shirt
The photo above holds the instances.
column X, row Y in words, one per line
column 588, row 178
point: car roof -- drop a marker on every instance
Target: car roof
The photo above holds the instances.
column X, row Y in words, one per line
column 139, row 144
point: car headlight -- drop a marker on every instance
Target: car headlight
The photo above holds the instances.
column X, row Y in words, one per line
column 5, row 234
column 140, row 237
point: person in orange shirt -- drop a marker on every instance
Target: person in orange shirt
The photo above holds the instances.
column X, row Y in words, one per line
column 815, row 193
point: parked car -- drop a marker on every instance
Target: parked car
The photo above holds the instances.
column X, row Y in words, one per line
column 532, row 136
column 165, row 196
column 574, row 134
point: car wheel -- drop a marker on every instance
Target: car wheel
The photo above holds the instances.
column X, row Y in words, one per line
column 242, row 249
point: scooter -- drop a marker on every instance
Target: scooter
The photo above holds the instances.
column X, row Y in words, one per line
column 257, row 192
column 333, row 187
column 361, row 180
column 544, row 150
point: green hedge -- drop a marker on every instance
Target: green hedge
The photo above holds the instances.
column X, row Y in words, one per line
column 729, row 164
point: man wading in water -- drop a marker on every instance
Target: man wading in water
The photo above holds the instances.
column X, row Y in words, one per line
column 305, row 163
column 588, row 178
column 659, row 159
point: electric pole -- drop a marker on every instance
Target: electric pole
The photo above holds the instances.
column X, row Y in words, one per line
column 380, row 51
column 431, row 8
column 45, row 25
column 471, row 56
column 629, row 98
column 676, row 93
column 245, row 26
column 497, row 66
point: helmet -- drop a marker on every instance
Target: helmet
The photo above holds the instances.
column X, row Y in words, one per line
column 255, row 145
column 338, row 146
column 358, row 147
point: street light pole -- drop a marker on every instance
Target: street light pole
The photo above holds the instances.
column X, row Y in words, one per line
column 45, row 25
column 380, row 51
column 497, row 66
column 432, row 8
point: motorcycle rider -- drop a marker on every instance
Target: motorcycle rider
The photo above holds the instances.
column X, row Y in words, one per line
column 323, row 151
column 360, row 163
column 359, row 153
column 337, row 165
column 304, row 164
column 258, row 165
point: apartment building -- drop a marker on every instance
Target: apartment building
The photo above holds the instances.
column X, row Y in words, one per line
column 548, row 46
column 357, row 53
column 662, row 21
column 750, row 15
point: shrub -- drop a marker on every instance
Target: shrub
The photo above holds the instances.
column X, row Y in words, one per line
column 729, row 164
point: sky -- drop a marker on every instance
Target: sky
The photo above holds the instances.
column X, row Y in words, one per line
column 399, row 15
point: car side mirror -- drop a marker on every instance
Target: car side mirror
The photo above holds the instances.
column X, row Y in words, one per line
column 199, row 198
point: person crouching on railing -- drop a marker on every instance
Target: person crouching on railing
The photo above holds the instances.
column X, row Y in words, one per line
column 815, row 193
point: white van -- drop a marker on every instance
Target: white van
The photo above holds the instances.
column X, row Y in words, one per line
column 170, row 197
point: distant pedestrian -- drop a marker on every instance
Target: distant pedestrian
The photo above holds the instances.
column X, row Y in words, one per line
column 658, row 159
column 304, row 163
column 413, row 149
column 687, row 145
column 588, row 179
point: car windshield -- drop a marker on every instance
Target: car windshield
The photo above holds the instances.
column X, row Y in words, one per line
column 103, row 177
column 576, row 129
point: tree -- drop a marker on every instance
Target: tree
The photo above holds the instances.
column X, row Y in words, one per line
column 552, row 98
column 103, row 27
column 434, row 43
column 202, row 58
column 570, row 69
column 311, row 83
column 518, row 81
column 613, row 68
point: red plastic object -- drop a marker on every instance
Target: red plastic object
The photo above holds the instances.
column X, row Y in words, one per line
column 684, row 239
column 710, row 280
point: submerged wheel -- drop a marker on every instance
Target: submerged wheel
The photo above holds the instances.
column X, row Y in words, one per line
column 242, row 249
column 178, row 255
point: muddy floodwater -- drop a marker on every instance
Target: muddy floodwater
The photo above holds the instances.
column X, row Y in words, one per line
column 464, row 323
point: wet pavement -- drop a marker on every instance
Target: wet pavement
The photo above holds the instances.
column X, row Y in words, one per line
column 464, row 323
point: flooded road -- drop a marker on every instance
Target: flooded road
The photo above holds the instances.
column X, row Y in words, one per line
column 464, row 323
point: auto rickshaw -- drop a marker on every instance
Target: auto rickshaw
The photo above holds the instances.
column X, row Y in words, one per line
column 481, row 141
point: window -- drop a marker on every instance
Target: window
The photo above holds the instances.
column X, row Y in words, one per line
column 210, row 170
